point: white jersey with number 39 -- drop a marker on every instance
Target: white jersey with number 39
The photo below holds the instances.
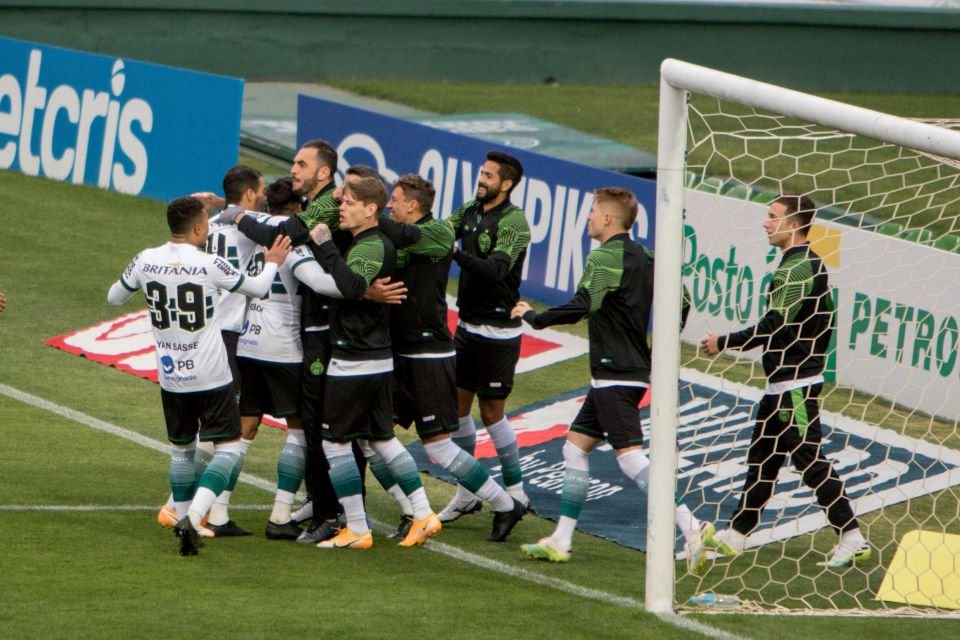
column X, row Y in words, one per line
column 181, row 283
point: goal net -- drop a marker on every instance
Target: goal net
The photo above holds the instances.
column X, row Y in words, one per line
column 887, row 229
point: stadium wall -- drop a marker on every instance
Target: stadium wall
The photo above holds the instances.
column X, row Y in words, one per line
column 882, row 49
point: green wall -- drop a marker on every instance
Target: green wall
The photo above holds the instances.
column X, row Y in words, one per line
column 574, row 41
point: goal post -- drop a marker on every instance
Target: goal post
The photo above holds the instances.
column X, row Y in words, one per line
column 679, row 81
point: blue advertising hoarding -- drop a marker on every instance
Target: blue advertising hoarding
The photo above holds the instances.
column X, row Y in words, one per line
column 555, row 194
column 133, row 127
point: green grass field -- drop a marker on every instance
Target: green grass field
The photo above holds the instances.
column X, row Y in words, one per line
column 110, row 571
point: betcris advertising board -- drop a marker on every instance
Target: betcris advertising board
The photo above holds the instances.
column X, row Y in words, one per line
column 555, row 194
column 129, row 126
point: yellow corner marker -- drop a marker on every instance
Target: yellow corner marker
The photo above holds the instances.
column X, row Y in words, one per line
column 925, row 571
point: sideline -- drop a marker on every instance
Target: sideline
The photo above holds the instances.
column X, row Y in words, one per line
column 452, row 552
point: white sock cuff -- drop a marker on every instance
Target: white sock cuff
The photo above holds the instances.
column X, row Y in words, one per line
column 443, row 451
column 337, row 449
column 297, row 437
column 183, row 450
column 365, row 448
column 388, row 449
column 467, row 426
column 245, row 445
column 633, row 462
column 207, row 446
column 501, row 433
column 575, row 457
column 230, row 447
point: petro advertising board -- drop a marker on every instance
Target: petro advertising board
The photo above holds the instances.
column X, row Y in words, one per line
column 129, row 126
column 555, row 194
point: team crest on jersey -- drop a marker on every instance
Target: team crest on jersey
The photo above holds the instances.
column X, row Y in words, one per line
column 484, row 242
column 316, row 367
column 784, row 415
column 403, row 258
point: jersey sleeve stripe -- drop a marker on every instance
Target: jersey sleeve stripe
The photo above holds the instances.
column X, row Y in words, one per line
column 237, row 286
column 128, row 287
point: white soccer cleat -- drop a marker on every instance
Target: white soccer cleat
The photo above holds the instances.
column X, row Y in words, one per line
column 459, row 508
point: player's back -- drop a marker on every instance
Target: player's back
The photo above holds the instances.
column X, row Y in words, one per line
column 181, row 283
column 271, row 331
column 226, row 241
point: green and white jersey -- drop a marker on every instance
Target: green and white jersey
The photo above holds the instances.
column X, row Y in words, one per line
column 180, row 283
column 226, row 241
column 271, row 331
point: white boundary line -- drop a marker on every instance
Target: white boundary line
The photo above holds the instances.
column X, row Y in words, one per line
column 112, row 507
column 438, row 547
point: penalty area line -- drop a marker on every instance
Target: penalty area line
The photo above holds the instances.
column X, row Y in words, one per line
column 438, row 547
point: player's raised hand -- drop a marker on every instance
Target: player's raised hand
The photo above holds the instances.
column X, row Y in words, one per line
column 279, row 251
column 710, row 344
column 210, row 200
column 320, row 233
column 386, row 292
column 520, row 309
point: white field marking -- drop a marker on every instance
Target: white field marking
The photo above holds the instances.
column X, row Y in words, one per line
column 114, row 507
column 438, row 547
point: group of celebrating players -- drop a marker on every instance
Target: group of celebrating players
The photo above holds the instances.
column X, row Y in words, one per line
column 305, row 301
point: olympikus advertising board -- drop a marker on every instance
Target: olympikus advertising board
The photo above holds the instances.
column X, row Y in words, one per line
column 898, row 302
column 129, row 126
column 555, row 194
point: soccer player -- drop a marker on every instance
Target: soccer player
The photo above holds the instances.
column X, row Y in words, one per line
column 494, row 236
column 424, row 387
column 243, row 189
column 357, row 401
column 794, row 334
column 180, row 282
column 615, row 294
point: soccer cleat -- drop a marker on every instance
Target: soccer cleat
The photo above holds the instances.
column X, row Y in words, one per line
column 505, row 521
column 697, row 549
column 421, row 531
column 545, row 549
column 304, row 513
column 406, row 521
column 320, row 531
column 167, row 517
column 190, row 542
column 229, row 529
column 847, row 557
column 286, row 531
column 346, row 539
column 458, row 508
column 721, row 543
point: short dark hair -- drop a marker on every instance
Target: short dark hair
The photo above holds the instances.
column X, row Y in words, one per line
column 368, row 190
column 327, row 154
column 182, row 213
column 623, row 200
column 237, row 180
column 800, row 206
column 418, row 189
column 366, row 171
column 510, row 167
column 281, row 196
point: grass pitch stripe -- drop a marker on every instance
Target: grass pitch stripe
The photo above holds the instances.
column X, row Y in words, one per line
column 112, row 429
column 112, row 507
column 433, row 545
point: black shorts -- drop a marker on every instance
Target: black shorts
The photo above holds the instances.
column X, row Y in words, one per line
column 316, row 357
column 230, row 340
column 214, row 413
column 485, row 366
column 357, row 407
column 424, row 393
column 269, row 387
column 611, row 414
